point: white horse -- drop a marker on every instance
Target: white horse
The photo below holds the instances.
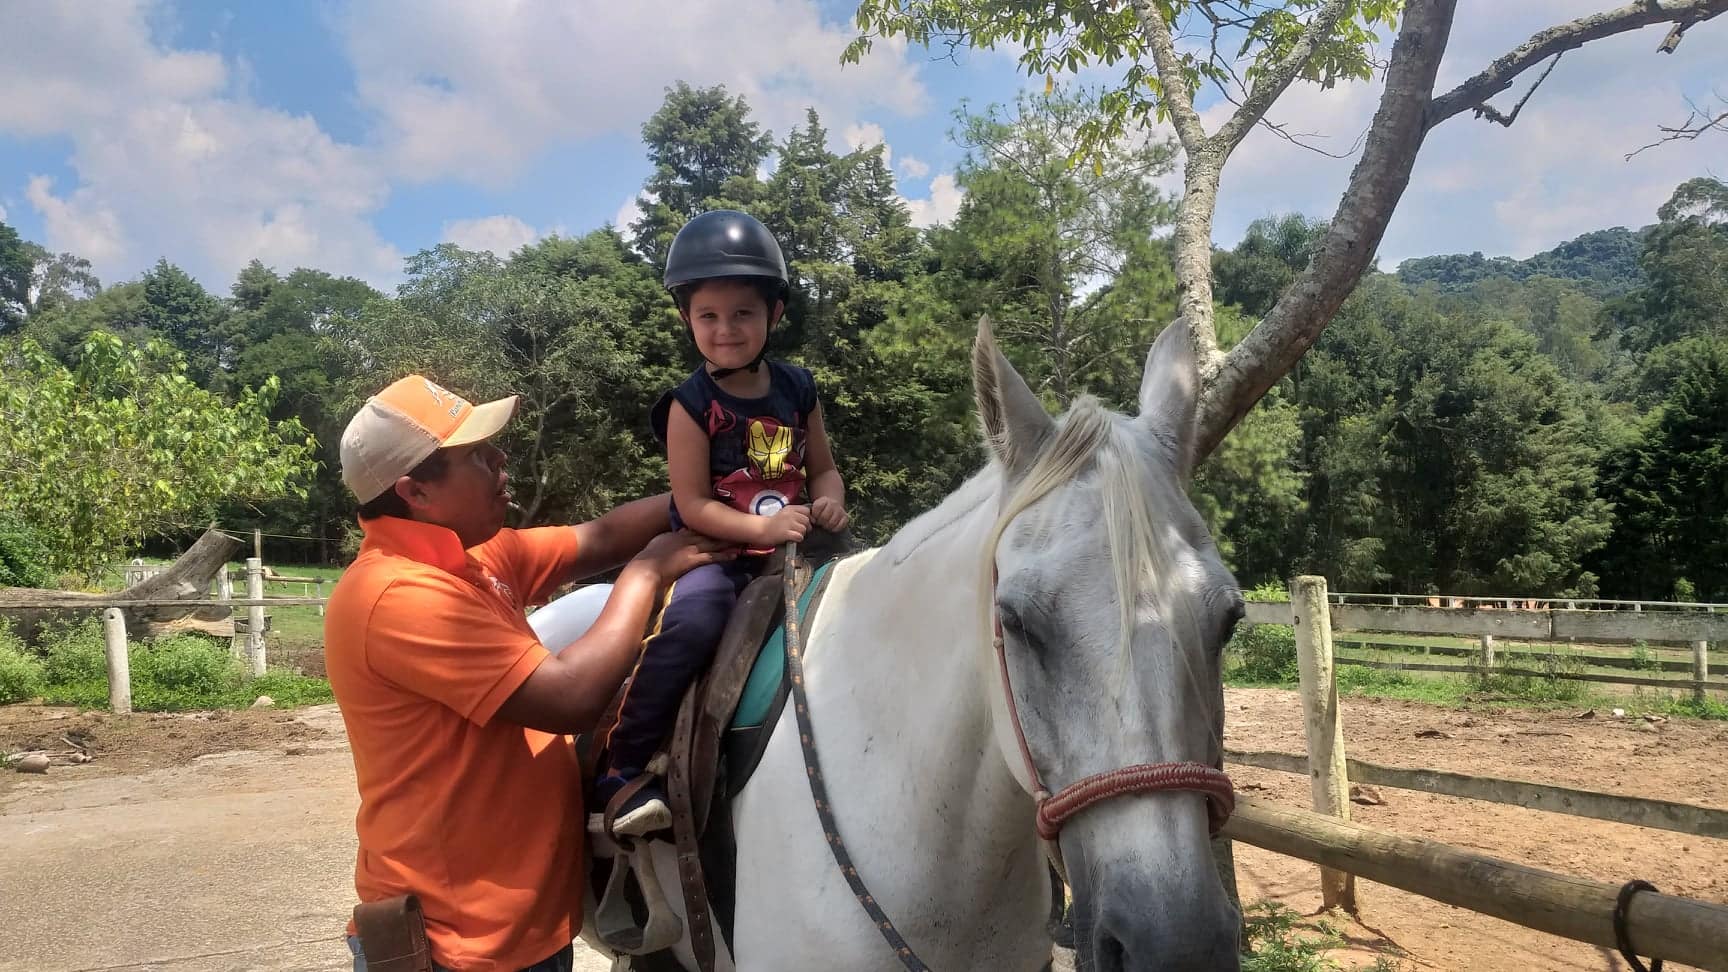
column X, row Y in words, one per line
column 1080, row 547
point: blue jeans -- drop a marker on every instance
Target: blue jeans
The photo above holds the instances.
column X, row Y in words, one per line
column 563, row 961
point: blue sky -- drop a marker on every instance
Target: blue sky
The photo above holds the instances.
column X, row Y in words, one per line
column 346, row 136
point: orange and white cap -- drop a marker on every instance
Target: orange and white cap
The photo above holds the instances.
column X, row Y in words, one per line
column 400, row 426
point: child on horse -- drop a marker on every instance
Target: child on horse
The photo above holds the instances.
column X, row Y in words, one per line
column 744, row 439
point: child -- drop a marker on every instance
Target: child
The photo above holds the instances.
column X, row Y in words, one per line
column 744, row 437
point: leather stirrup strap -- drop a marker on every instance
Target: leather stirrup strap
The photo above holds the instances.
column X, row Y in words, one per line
column 392, row 935
column 698, row 912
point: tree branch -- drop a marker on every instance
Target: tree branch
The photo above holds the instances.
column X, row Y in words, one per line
column 1178, row 100
column 1279, row 76
column 1493, row 114
column 1499, row 75
column 1696, row 124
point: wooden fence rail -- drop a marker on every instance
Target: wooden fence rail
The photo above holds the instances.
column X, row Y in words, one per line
column 1657, row 814
column 1653, row 662
column 1675, row 683
column 121, row 601
column 1660, row 926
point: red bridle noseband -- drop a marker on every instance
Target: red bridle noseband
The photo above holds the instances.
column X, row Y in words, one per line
column 1054, row 809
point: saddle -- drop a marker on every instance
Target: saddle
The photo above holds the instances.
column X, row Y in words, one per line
column 722, row 728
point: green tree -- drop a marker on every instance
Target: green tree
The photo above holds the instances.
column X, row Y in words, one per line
column 1445, row 452
column 16, row 265
column 1039, row 243
column 280, row 328
column 59, row 278
column 97, row 458
column 1685, row 263
column 179, row 309
column 1158, row 55
column 705, row 151
column 1272, row 252
column 64, row 327
column 542, row 329
column 1669, row 486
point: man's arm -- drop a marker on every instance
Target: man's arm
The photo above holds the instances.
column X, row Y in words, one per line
column 613, row 538
column 568, row 691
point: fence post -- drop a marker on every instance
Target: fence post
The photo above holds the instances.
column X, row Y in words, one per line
column 119, row 666
column 1700, row 668
column 320, row 589
column 255, row 615
column 225, row 590
column 1487, row 656
column 1327, row 777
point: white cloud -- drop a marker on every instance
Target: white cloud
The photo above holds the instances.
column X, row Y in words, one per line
column 2, row 214
column 502, row 235
column 628, row 212
column 462, row 91
column 91, row 232
column 169, row 163
column 865, row 134
column 913, row 167
column 942, row 205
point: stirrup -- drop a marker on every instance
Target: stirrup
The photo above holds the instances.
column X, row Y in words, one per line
column 616, row 924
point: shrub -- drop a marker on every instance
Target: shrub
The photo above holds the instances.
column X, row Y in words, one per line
column 23, row 557
column 1265, row 653
column 74, row 652
column 20, row 669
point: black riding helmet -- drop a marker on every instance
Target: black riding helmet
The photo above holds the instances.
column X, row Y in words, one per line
column 725, row 243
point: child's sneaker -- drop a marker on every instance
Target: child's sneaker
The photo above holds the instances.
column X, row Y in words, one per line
column 644, row 812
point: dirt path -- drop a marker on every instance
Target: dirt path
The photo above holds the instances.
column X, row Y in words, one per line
column 1674, row 760
column 200, row 843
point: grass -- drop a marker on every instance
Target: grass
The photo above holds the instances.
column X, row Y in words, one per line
column 1264, row 655
column 1278, row 940
column 69, row 667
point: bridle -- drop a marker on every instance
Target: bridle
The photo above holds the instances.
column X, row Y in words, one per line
column 1055, row 809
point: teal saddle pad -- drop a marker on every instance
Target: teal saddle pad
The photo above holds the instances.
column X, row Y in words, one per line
column 769, row 671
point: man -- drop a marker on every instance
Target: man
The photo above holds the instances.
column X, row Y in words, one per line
column 458, row 718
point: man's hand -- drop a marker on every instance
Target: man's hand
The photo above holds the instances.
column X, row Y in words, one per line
column 829, row 514
column 671, row 555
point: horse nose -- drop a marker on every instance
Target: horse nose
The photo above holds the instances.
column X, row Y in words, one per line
column 1125, row 942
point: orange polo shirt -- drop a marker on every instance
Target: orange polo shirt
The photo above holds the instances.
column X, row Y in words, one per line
column 481, row 819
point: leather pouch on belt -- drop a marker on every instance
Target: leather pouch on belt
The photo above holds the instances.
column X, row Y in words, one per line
column 393, row 935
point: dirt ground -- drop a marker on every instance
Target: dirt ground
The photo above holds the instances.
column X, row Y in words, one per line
column 248, row 816
column 1673, row 760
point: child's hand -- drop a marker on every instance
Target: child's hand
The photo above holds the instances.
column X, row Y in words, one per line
column 829, row 514
column 787, row 526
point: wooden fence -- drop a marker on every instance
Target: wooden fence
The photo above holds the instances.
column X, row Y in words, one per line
column 250, row 624
column 1694, row 626
column 1657, row 925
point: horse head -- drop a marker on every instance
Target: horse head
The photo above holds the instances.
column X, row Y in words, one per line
column 1112, row 609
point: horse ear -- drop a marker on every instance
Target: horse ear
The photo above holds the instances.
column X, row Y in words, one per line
column 1170, row 393
column 1015, row 423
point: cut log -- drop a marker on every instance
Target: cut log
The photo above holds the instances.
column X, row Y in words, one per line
column 188, row 579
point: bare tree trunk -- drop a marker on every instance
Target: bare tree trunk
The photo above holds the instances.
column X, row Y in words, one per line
column 188, row 578
column 1377, row 183
column 1200, row 176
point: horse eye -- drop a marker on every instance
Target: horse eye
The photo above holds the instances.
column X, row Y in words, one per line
column 1237, row 612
